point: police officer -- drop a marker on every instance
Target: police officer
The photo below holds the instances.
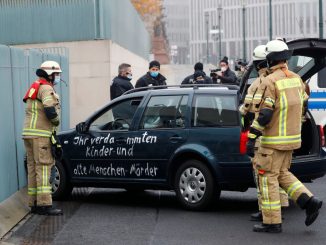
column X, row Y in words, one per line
column 41, row 119
column 198, row 67
column 279, row 125
column 249, row 112
column 153, row 77
column 121, row 83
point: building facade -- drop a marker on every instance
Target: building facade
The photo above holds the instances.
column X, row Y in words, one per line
column 176, row 19
column 151, row 12
column 291, row 19
column 98, row 35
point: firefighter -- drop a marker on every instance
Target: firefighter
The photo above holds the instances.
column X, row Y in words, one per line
column 249, row 112
column 41, row 119
column 279, row 127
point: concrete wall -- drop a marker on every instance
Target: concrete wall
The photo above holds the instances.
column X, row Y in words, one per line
column 17, row 72
column 93, row 65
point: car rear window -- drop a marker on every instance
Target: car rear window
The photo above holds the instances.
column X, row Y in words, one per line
column 214, row 111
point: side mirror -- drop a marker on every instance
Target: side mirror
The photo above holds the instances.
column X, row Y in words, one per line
column 81, row 127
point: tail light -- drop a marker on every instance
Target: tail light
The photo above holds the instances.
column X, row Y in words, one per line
column 321, row 135
column 243, row 142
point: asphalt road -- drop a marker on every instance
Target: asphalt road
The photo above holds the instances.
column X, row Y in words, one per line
column 114, row 216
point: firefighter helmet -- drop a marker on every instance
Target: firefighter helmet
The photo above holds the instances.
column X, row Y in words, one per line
column 277, row 50
column 50, row 67
column 259, row 53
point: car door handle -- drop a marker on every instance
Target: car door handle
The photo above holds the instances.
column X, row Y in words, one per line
column 175, row 138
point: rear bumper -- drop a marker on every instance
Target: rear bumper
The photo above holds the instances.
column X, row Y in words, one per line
column 309, row 169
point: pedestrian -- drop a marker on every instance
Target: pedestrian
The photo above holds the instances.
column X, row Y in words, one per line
column 249, row 113
column 199, row 77
column 226, row 75
column 197, row 67
column 121, row 83
column 241, row 69
column 41, row 119
column 279, row 125
column 153, row 77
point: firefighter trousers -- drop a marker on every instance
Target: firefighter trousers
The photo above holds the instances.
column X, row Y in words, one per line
column 284, row 198
column 39, row 164
column 273, row 171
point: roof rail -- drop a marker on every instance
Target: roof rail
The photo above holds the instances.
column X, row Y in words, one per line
column 194, row 86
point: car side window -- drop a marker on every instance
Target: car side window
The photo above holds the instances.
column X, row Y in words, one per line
column 165, row 112
column 321, row 78
column 214, row 111
column 117, row 117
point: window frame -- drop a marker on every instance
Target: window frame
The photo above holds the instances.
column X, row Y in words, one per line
column 234, row 97
column 186, row 115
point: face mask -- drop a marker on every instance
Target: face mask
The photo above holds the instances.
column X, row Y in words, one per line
column 154, row 73
column 57, row 79
column 223, row 69
column 129, row 76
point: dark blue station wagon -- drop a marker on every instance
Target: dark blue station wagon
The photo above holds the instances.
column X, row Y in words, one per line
column 186, row 139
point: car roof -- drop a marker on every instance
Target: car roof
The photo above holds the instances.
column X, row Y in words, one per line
column 184, row 89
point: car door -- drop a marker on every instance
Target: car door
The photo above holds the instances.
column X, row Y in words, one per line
column 162, row 130
column 104, row 150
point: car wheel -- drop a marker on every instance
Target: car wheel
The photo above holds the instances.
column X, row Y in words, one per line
column 61, row 186
column 194, row 185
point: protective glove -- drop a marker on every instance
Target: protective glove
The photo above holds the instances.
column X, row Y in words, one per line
column 251, row 147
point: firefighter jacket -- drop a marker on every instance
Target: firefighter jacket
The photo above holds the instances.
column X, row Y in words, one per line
column 248, row 104
column 41, row 113
column 282, row 93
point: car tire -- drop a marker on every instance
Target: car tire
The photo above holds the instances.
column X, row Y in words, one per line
column 194, row 185
column 61, row 187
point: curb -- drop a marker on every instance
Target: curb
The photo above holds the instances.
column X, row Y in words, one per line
column 13, row 210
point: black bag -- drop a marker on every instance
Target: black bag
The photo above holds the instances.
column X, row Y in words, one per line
column 56, row 147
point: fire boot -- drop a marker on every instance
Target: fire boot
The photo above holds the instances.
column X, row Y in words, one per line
column 270, row 228
column 311, row 205
column 257, row 216
column 34, row 208
column 312, row 210
column 48, row 210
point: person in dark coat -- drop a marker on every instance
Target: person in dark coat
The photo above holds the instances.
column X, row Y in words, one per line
column 190, row 79
column 121, row 83
column 199, row 77
column 226, row 75
column 153, row 77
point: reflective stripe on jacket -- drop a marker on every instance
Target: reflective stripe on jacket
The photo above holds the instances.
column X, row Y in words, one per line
column 36, row 123
column 283, row 92
column 249, row 104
